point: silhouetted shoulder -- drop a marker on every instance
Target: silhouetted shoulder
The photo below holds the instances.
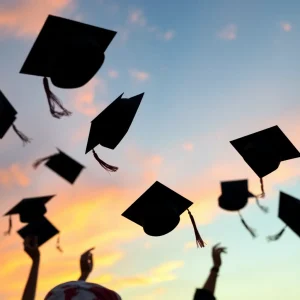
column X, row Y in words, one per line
column 202, row 294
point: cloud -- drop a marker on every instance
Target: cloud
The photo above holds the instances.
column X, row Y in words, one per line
column 152, row 295
column 161, row 273
column 228, row 33
column 137, row 17
column 26, row 18
column 286, row 26
column 139, row 75
column 169, row 35
column 14, row 175
column 113, row 74
column 188, row 146
column 84, row 99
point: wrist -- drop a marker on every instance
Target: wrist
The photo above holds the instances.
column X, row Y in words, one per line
column 215, row 269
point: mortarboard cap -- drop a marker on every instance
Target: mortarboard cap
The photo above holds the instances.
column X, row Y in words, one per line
column 158, row 211
column 264, row 150
column 63, row 165
column 112, row 124
column 8, row 117
column 69, row 52
column 289, row 213
column 41, row 228
column 29, row 209
column 235, row 196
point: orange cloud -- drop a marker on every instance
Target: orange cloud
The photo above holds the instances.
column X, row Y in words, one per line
column 286, row 26
column 14, row 175
column 26, row 18
column 84, row 98
column 139, row 75
column 228, row 33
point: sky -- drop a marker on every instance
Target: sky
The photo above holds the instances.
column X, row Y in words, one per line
column 211, row 71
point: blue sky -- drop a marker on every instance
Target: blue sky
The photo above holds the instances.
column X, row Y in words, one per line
column 212, row 71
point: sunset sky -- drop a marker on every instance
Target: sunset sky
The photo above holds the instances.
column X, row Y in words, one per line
column 212, row 71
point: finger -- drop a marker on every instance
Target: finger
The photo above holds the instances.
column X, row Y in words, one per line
column 91, row 260
column 88, row 251
column 215, row 246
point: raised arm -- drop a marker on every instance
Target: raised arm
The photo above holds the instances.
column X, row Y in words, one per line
column 208, row 290
column 86, row 264
column 31, row 248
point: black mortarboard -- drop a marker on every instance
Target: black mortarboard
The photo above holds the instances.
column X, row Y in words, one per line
column 41, row 228
column 63, row 165
column 264, row 150
column 289, row 213
column 69, row 52
column 29, row 209
column 111, row 125
column 8, row 117
column 235, row 196
column 158, row 211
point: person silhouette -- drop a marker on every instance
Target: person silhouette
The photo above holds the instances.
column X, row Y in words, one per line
column 208, row 289
column 81, row 289
column 31, row 248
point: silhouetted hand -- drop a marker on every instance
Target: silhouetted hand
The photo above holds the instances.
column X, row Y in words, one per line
column 86, row 264
column 31, row 247
column 216, row 254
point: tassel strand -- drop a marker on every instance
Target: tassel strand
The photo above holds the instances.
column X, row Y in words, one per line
column 39, row 161
column 9, row 226
column 104, row 165
column 262, row 188
column 199, row 242
column 53, row 100
column 275, row 237
column 21, row 135
column 263, row 208
column 58, row 245
column 251, row 230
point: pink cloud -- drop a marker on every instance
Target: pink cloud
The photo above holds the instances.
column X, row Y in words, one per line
column 84, row 98
column 139, row 75
column 137, row 17
column 169, row 35
column 14, row 175
column 228, row 33
column 188, row 146
column 113, row 74
column 286, row 26
column 26, row 18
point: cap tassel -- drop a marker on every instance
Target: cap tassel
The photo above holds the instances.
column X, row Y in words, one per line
column 251, row 230
column 39, row 161
column 199, row 241
column 58, row 245
column 262, row 195
column 9, row 226
column 53, row 100
column 21, row 135
column 275, row 237
column 263, row 208
column 104, row 165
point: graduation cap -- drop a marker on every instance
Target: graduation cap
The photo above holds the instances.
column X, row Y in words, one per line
column 42, row 229
column 235, row 197
column 70, row 53
column 29, row 209
column 63, row 165
column 289, row 213
column 158, row 211
column 111, row 125
column 263, row 151
column 8, row 117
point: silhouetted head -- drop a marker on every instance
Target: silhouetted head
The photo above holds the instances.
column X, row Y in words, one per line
column 81, row 290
